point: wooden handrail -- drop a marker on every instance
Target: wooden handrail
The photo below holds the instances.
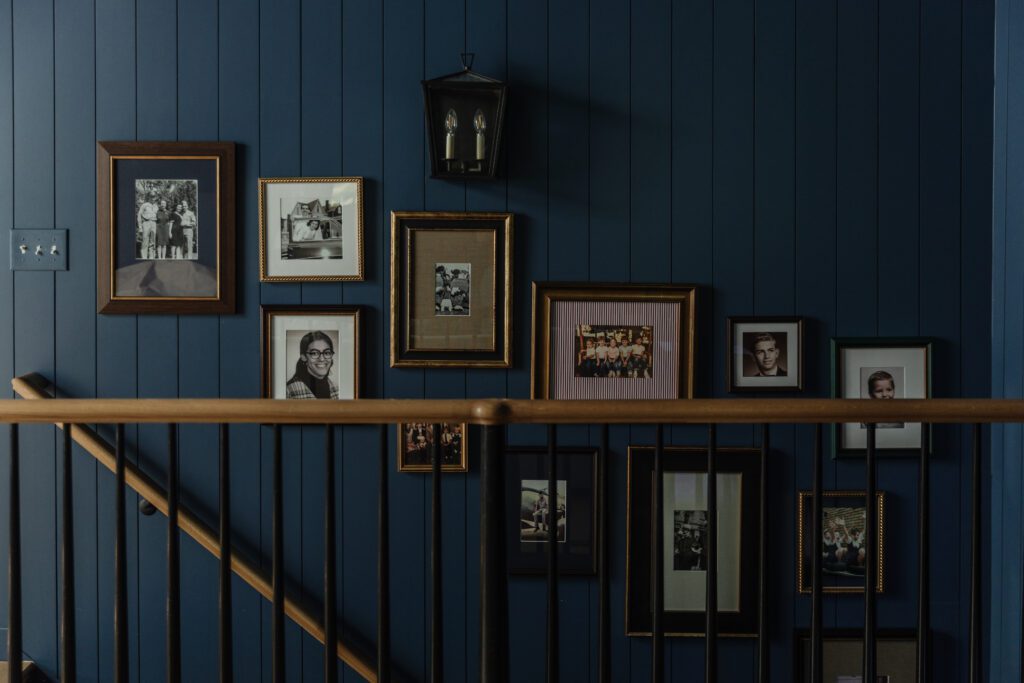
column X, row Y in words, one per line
column 188, row 522
column 500, row 411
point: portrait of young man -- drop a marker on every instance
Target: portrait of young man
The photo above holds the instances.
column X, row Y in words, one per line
column 766, row 351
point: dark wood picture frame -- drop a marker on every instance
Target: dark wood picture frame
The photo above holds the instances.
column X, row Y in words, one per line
column 547, row 293
column 746, row 462
column 887, row 640
column 577, row 555
column 403, row 352
column 832, row 584
column 461, row 466
column 838, row 345
column 732, row 372
column 266, row 339
column 108, row 153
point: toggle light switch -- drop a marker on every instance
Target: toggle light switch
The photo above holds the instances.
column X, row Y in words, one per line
column 39, row 249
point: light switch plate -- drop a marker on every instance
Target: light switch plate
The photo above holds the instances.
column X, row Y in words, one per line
column 39, row 249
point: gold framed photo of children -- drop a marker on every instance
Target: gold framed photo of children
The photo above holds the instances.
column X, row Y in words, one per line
column 165, row 227
column 612, row 341
column 765, row 354
column 533, row 513
column 881, row 369
column 311, row 229
column 844, row 541
column 415, row 444
column 310, row 352
column 451, row 289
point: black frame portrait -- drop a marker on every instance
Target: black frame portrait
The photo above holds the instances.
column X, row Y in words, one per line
column 127, row 282
column 794, row 366
column 831, row 581
column 577, row 555
column 639, row 538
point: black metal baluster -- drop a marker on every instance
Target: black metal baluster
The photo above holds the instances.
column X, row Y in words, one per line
column 975, row 644
column 437, row 608
column 120, row 564
column 658, row 560
column 552, row 548
column 330, row 569
column 384, row 565
column 68, row 667
column 225, row 641
column 173, row 561
column 923, row 573
column 493, row 577
column 711, row 552
column 870, row 560
column 604, row 627
column 14, row 645
column 817, row 668
column 277, row 568
column 762, row 562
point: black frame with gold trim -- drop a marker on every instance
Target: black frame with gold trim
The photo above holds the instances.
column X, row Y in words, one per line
column 402, row 353
column 107, row 154
column 461, row 466
column 803, row 530
column 639, row 515
column 544, row 293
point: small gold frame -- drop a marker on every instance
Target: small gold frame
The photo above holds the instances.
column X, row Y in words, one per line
column 805, row 498
column 461, row 466
column 404, row 224
column 262, row 212
column 546, row 293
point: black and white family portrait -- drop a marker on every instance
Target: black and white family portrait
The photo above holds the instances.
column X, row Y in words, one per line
column 418, row 438
column 451, row 288
column 614, row 351
column 314, row 375
column 765, row 354
column 311, row 230
column 691, row 528
column 843, row 541
column 534, row 506
column 167, row 227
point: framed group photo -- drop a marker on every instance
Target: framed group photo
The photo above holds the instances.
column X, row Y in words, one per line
column 843, row 543
column 684, row 531
column 311, row 229
column 451, row 289
column 612, row 341
column 165, row 227
column 416, row 439
column 765, row 354
column 880, row 368
column 310, row 352
column 530, row 503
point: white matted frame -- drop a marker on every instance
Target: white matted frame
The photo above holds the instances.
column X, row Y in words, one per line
column 900, row 366
column 283, row 328
column 743, row 371
column 328, row 212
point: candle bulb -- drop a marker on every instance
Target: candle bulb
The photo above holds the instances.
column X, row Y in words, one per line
column 451, row 123
column 480, row 124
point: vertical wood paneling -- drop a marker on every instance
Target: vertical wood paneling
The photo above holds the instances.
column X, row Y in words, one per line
column 198, row 368
column 6, row 277
column 75, row 370
column 239, row 117
column 34, row 340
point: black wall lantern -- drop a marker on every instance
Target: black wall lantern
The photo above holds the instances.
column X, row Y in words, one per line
column 465, row 113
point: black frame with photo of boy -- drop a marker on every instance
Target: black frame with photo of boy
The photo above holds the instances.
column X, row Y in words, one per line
column 844, row 540
column 526, row 481
column 764, row 353
column 880, row 368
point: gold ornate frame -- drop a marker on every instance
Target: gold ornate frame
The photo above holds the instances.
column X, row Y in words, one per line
column 462, row 466
column 500, row 356
column 262, row 186
column 544, row 293
column 806, row 497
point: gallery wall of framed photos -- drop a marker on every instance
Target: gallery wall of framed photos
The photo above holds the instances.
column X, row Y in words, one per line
column 749, row 174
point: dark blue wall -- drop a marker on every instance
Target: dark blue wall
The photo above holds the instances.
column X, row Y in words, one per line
column 826, row 159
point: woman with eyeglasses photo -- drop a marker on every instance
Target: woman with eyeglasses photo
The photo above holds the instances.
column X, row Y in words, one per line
column 312, row 369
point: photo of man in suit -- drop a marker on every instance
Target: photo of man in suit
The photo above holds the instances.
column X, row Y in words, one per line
column 764, row 348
